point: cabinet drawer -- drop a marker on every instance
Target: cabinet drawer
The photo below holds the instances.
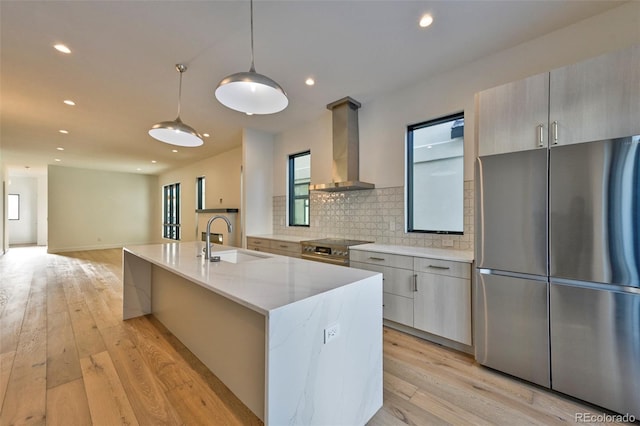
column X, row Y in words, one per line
column 397, row 308
column 284, row 253
column 258, row 248
column 285, row 246
column 385, row 259
column 394, row 280
column 257, row 242
column 443, row 267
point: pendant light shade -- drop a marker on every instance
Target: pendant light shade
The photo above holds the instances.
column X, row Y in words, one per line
column 176, row 132
column 250, row 92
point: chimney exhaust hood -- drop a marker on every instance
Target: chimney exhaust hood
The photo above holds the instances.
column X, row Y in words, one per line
column 345, row 172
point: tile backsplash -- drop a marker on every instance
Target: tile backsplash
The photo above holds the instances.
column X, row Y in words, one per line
column 376, row 215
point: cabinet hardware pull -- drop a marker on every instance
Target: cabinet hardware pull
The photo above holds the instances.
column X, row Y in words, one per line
column 540, row 135
column 438, row 267
column 415, row 282
column 377, row 258
column 283, row 246
column 555, row 132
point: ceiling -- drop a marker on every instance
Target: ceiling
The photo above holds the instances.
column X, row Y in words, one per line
column 121, row 72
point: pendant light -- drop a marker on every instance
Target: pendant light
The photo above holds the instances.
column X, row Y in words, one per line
column 176, row 132
column 250, row 92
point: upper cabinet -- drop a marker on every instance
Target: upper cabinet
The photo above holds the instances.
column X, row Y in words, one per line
column 596, row 99
column 592, row 100
column 514, row 116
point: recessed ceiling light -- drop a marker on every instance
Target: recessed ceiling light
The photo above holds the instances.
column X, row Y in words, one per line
column 64, row 131
column 153, row 161
column 174, row 150
column 62, row 48
column 249, row 113
column 426, row 20
column 309, row 81
column 206, row 135
column 69, row 102
column 58, row 160
column 60, row 148
column 138, row 169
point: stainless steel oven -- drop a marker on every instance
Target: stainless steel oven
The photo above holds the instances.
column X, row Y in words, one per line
column 329, row 250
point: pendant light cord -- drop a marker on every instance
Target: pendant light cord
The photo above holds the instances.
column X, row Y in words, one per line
column 253, row 68
column 181, row 68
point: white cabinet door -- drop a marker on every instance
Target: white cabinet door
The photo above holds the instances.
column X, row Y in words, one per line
column 514, row 116
column 394, row 280
column 442, row 306
column 397, row 308
column 596, row 99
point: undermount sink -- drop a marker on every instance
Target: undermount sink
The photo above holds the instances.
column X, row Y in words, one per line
column 236, row 256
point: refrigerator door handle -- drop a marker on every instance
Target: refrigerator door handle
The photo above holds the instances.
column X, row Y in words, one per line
column 596, row 286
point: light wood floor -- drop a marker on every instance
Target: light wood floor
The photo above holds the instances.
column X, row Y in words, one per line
column 67, row 358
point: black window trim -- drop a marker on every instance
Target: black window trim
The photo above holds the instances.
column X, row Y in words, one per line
column 291, row 187
column 410, row 129
column 171, row 195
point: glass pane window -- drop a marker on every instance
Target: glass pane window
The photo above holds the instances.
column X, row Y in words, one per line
column 200, row 193
column 171, row 211
column 299, row 179
column 435, row 175
column 13, row 207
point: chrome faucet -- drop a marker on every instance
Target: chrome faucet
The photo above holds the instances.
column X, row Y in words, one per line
column 207, row 247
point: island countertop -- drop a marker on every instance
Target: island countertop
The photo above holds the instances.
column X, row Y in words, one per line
column 263, row 285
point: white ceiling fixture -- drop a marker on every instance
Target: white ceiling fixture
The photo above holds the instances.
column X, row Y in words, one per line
column 64, row 132
column 310, row 81
column 176, row 132
column 250, row 92
column 425, row 21
column 69, row 102
column 62, row 48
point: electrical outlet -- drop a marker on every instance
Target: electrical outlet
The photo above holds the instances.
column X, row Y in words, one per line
column 331, row 332
column 447, row 243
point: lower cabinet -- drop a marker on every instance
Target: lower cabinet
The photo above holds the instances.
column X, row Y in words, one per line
column 427, row 294
column 283, row 248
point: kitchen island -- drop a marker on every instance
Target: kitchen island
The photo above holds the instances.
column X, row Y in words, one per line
column 298, row 342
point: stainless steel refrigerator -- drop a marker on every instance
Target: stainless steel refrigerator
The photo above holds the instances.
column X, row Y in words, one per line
column 558, row 282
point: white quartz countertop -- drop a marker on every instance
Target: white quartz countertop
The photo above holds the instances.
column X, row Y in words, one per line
column 265, row 284
column 427, row 252
column 290, row 238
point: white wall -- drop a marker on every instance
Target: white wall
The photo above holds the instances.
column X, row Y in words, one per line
column 92, row 209
column 257, row 183
column 42, row 230
column 222, row 189
column 4, row 240
column 383, row 120
column 24, row 230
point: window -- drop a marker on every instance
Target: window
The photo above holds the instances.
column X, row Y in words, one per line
column 171, row 211
column 299, row 179
column 13, row 207
column 435, row 175
column 200, row 193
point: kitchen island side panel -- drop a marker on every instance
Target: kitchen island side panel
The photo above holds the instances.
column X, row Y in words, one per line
column 311, row 382
column 226, row 336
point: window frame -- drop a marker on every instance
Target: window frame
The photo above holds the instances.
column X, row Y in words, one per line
column 409, row 172
column 200, row 193
column 291, row 185
column 171, row 211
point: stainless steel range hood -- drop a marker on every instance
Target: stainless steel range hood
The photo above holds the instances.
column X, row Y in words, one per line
column 345, row 172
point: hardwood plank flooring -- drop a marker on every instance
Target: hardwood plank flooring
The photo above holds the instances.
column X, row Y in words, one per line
column 67, row 358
